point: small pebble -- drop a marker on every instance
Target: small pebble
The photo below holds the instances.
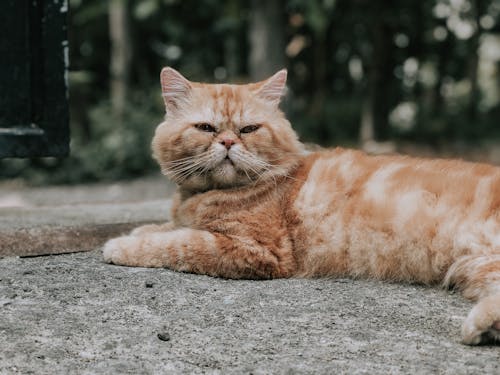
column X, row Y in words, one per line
column 149, row 285
column 164, row 336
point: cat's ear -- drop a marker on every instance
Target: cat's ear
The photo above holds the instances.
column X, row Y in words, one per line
column 273, row 88
column 175, row 89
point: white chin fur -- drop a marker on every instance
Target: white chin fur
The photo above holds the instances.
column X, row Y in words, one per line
column 223, row 169
column 225, row 172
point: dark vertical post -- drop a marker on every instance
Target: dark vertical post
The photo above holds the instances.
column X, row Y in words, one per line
column 33, row 78
column 267, row 38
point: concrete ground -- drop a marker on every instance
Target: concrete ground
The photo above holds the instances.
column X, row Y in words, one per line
column 74, row 314
column 45, row 220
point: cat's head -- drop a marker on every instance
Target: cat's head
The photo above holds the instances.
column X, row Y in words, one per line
column 224, row 136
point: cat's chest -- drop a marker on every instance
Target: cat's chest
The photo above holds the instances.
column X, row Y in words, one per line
column 229, row 214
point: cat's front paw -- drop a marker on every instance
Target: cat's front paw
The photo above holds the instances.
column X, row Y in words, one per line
column 145, row 229
column 122, row 250
column 482, row 325
column 152, row 228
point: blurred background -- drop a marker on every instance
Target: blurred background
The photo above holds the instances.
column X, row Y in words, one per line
column 414, row 76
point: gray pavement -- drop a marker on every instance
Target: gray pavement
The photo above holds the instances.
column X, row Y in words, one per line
column 14, row 193
column 59, row 219
column 70, row 228
column 74, row 314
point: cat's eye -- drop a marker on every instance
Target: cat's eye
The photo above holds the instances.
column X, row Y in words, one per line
column 205, row 127
column 249, row 128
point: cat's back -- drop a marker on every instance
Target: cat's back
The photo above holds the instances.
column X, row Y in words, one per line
column 333, row 176
column 350, row 202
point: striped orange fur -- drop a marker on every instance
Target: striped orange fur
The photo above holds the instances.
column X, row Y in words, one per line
column 252, row 203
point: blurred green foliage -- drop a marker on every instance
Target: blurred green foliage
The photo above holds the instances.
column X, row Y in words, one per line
column 421, row 71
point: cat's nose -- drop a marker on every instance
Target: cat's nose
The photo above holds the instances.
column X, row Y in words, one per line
column 228, row 142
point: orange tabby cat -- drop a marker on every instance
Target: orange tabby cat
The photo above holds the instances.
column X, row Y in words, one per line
column 252, row 203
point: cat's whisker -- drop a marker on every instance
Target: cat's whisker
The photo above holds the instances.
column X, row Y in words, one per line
column 187, row 158
column 287, row 176
column 184, row 173
column 189, row 172
column 257, row 172
column 249, row 161
column 186, row 162
column 246, row 174
column 182, row 169
column 190, row 159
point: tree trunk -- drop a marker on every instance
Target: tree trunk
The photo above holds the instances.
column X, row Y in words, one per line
column 267, row 38
column 231, row 42
column 367, row 128
column 121, row 54
column 319, row 75
column 444, row 56
column 374, row 119
column 474, row 96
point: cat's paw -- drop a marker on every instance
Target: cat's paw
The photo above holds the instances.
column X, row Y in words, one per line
column 152, row 228
column 144, row 229
column 482, row 325
column 121, row 250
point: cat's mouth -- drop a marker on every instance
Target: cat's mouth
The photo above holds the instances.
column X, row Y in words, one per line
column 227, row 160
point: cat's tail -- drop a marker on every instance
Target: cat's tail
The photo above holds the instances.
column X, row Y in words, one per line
column 478, row 278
